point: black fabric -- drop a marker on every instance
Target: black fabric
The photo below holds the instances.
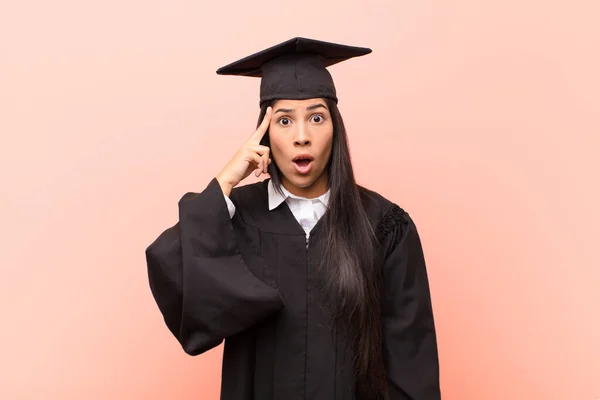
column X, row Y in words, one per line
column 252, row 282
column 295, row 69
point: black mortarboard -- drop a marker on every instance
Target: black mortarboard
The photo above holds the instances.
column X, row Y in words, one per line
column 295, row 69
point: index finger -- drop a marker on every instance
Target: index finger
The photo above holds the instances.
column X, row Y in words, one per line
column 262, row 129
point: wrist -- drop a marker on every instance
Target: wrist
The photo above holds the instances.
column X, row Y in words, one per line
column 225, row 184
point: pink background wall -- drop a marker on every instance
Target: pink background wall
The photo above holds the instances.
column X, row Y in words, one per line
column 481, row 118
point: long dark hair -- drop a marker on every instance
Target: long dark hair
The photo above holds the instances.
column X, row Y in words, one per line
column 351, row 261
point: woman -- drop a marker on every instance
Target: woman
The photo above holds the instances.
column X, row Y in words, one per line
column 318, row 286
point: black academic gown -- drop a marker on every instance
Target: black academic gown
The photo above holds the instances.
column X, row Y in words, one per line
column 252, row 282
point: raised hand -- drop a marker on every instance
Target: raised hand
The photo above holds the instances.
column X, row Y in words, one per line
column 251, row 156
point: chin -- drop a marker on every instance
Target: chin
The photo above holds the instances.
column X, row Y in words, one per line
column 299, row 180
column 302, row 182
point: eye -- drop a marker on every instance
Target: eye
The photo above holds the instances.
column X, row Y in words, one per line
column 317, row 118
column 284, row 121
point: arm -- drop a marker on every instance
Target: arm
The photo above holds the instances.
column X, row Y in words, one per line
column 410, row 344
column 199, row 279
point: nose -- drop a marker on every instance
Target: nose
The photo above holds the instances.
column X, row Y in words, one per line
column 302, row 137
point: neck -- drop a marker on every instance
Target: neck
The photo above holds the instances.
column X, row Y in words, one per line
column 316, row 189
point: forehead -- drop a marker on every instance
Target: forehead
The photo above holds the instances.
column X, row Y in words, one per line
column 298, row 105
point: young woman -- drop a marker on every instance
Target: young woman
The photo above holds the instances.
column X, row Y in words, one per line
column 317, row 286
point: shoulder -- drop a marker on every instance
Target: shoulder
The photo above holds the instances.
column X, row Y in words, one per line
column 250, row 190
column 386, row 216
column 251, row 198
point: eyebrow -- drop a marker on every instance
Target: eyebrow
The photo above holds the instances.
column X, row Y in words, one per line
column 315, row 106
column 309, row 108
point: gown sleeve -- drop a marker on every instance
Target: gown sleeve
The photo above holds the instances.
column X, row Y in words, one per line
column 199, row 279
column 410, row 344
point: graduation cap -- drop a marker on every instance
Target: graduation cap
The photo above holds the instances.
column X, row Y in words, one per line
column 295, row 69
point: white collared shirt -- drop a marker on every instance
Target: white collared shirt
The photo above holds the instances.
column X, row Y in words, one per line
column 306, row 211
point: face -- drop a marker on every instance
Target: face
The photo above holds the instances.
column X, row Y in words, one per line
column 301, row 135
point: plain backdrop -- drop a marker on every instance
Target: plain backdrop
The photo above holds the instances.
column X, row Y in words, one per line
column 480, row 118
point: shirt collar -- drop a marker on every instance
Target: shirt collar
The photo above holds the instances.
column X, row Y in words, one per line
column 275, row 198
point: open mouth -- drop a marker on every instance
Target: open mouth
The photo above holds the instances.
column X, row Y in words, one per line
column 302, row 163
